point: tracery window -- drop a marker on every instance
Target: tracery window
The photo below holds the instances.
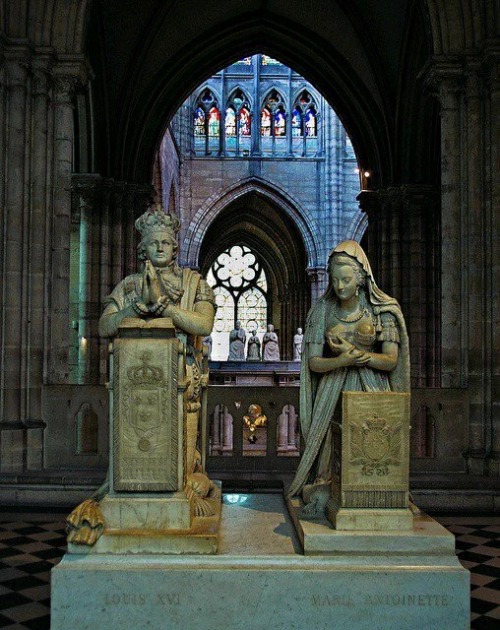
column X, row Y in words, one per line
column 273, row 123
column 241, row 294
column 286, row 122
column 304, row 125
column 238, row 124
column 206, row 119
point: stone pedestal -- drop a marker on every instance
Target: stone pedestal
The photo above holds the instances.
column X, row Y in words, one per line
column 258, row 581
column 151, row 506
column 370, row 480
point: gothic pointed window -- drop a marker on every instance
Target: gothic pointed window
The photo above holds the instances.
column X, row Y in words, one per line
column 305, row 125
column 238, row 124
column 241, row 294
column 273, row 124
column 206, row 124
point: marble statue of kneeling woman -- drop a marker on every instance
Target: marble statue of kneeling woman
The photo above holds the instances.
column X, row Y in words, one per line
column 355, row 340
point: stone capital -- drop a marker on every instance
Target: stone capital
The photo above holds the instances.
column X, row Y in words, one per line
column 316, row 274
column 69, row 74
column 489, row 67
column 41, row 72
column 443, row 77
column 369, row 201
column 86, row 187
column 16, row 72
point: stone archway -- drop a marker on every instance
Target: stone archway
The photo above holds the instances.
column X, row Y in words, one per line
column 263, row 224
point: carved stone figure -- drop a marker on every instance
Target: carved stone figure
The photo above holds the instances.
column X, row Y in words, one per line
column 297, row 345
column 355, row 340
column 237, row 338
column 161, row 290
column 271, row 350
column 208, row 342
column 254, row 420
column 253, row 352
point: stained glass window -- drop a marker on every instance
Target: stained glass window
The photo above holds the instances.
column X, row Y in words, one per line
column 305, row 125
column 240, row 287
column 230, row 122
column 206, row 122
column 280, row 122
column 199, row 122
column 269, row 61
column 310, row 123
column 245, row 129
column 273, row 116
column 297, row 123
column 265, row 122
column 213, row 122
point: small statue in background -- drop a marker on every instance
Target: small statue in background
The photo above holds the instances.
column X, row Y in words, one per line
column 297, row 345
column 207, row 341
column 253, row 420
column 271, row 350
column 237, row 338
column 253, row 352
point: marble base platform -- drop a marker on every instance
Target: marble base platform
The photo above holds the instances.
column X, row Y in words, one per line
column 260, row 580
column 318, row 537
column 151, row 526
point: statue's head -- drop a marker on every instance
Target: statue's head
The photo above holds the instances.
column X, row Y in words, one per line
column 270, row 328
column 159, row 237
column 299, row 331
column 346, row 275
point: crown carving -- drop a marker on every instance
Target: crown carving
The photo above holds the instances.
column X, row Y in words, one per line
column 157, row 219
column 145, row 374
column 375, row 422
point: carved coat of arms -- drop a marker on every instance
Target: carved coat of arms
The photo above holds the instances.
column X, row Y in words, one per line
column 375, row 445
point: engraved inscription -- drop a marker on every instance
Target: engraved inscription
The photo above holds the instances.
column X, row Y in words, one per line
column 435, row 600
column 140, row 599
column 426, row 599
column 331, row 600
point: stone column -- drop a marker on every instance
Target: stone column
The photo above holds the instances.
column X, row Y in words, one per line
column 282, row 445
column 216, row 430
column 66, row 79
column 466, row 93
column 292, row 428
column 38, row 258
column 318, row 277
column 14, row 253
column 446, row 79
column 86, row 190
column 227, row 431
column 492, row 230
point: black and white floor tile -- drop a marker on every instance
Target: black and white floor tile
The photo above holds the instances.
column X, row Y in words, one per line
column 32, row 543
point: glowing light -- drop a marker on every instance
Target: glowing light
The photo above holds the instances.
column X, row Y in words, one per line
column 366, row 173
column 236, row 498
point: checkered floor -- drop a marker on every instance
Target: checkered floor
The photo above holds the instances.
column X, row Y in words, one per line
column 31, row 544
